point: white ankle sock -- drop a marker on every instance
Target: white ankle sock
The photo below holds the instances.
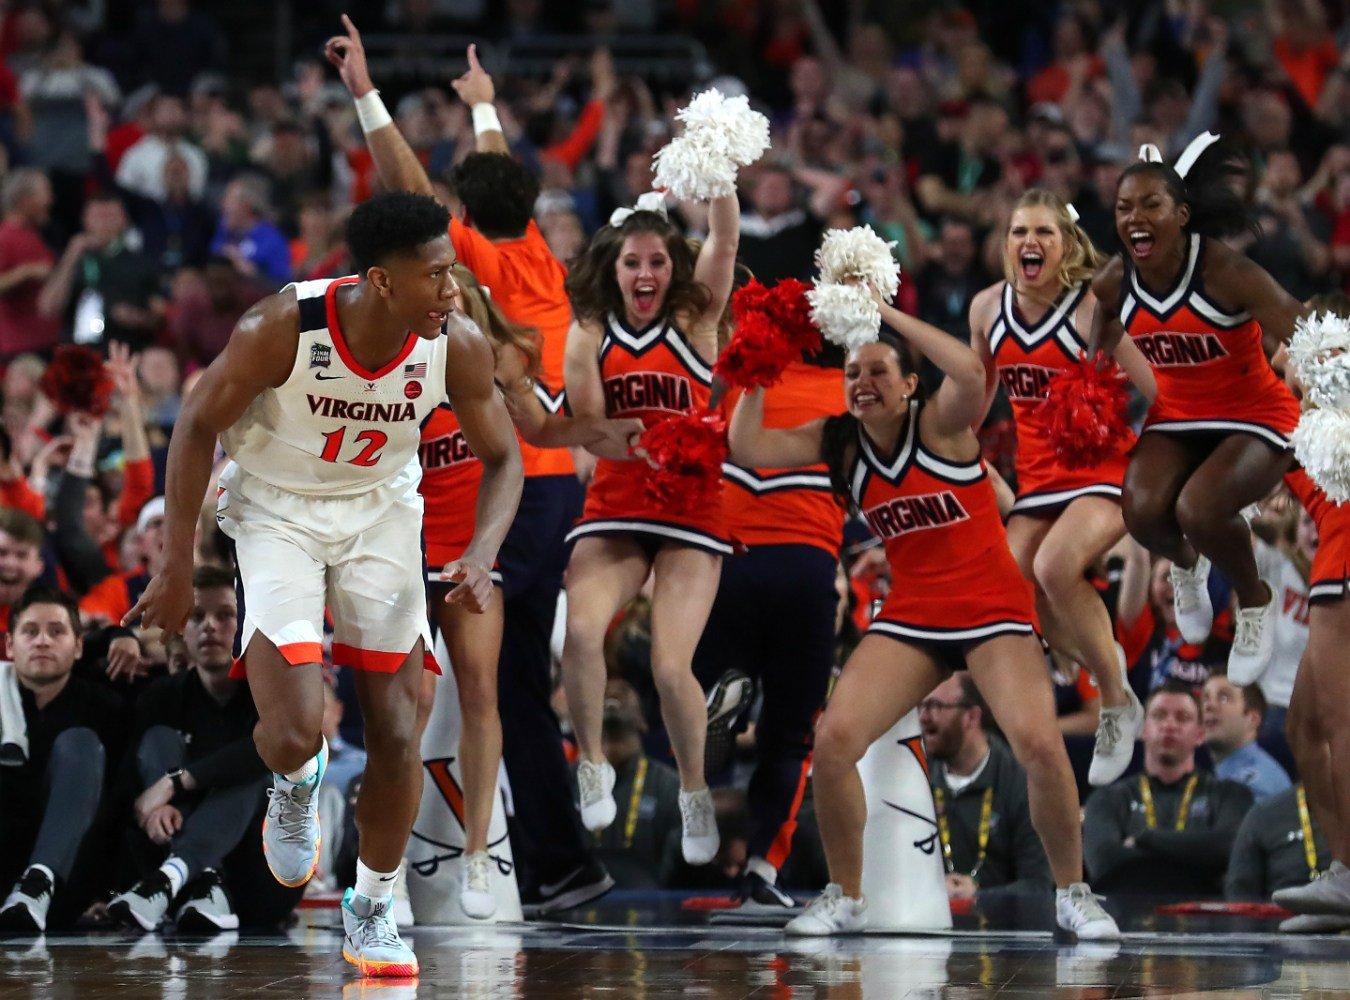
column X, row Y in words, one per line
column 175, row 869
column 373, row 884
column 308, row 770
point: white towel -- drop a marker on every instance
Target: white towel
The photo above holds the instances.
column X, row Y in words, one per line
column 13, row 727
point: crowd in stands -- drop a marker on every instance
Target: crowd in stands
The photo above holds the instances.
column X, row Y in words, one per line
column 150, row 196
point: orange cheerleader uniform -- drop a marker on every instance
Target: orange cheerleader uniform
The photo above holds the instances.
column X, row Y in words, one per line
column 1331, row 562
column 955, row 579
column 1027, row 356
column 450, row 477
column 648, row 374
column 1212, row 372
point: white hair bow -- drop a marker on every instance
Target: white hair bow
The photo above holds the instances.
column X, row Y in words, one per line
column 1073, row 212
column 652, row 201
column 1193, row 150
column 1150, row 153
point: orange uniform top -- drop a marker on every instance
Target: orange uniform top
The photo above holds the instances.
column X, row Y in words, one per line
column 789, row 506
column 526, row 281
column 1211, row 367
column 648, row 374
column 955, row 579
column 1027, row 356
column 450, row 477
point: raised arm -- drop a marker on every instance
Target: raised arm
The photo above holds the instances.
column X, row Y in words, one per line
column 397, row 164
column 716, row 268
column 959, row 401
column 487, row 430
column 259, row 355
column 753, row 446
column 475, row 89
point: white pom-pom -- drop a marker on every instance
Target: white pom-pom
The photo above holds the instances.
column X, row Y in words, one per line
column 1322, row 446
column 691, row 173
column 726, row 126
column 847, row 315
column 858, row 254
column 1320, row 354
column 721, row 134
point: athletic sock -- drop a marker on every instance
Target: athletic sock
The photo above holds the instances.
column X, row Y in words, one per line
column 175, row 869
column 372, row 884
column 308, row 770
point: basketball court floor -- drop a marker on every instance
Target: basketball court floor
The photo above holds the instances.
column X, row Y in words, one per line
column 645, row 946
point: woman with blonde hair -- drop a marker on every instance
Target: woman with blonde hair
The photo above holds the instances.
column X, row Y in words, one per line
column 1026, row 329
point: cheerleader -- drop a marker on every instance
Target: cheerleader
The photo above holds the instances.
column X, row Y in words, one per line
column 1026, row 329
column 648, row 308
column 450, row 477
column 1217, row 435
column 959, row 601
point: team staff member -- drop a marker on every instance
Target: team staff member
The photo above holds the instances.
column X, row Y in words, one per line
column 774, row 617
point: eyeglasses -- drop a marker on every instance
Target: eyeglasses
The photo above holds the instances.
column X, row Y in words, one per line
column 931, row 705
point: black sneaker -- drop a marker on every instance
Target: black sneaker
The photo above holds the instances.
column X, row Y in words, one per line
column 206, row 906
column 25, row 908
column 728, row 702
column 757, row 893
column 143, row 906
column 584, row 884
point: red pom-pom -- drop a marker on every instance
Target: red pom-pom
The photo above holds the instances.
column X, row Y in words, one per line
column 76, row 380
column 1085, row 407
column 773, row 328
column 684, row 460
column 757, row 355
column 792, row 312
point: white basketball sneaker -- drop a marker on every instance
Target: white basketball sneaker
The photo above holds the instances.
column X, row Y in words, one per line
column 475, row 886
column 830, row 913
column 1079, row 912
column 1118, row 729
column 595, row 782
column 1190, row 600
column 1253, row 642
column 699, row 840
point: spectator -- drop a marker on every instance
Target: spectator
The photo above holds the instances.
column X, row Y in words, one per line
column 105, row 289
column 778, row 237
column 141, row 170
column 58, row 90
column 980, row 793
column 947, row 288
column 632, row 847
column 161, row 385
column 1294, row 236
column 206, row 305
column 201, row 786
column 1278, row 845
column 174, row 43
column 297, row 160
column 25, row 263
column 1169, row 829
column 247, row 236
column 958, row 175
column 20, row 559
column 52, row 799
column 318, row 251
column 1232, row 718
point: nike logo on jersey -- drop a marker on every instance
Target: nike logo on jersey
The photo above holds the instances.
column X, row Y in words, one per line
column 327, row 378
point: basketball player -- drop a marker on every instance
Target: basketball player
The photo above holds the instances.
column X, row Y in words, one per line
column 1217, row 435
column 1026, row 328
column 912, row 468
column 318, row 399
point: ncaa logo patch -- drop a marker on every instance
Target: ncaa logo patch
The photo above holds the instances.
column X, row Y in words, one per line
column 412, row 389
column 320, row 355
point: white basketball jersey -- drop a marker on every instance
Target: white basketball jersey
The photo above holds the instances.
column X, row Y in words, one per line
column 332, row 427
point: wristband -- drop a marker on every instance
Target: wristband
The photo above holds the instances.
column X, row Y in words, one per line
column 485, row 119
column 371, row 112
